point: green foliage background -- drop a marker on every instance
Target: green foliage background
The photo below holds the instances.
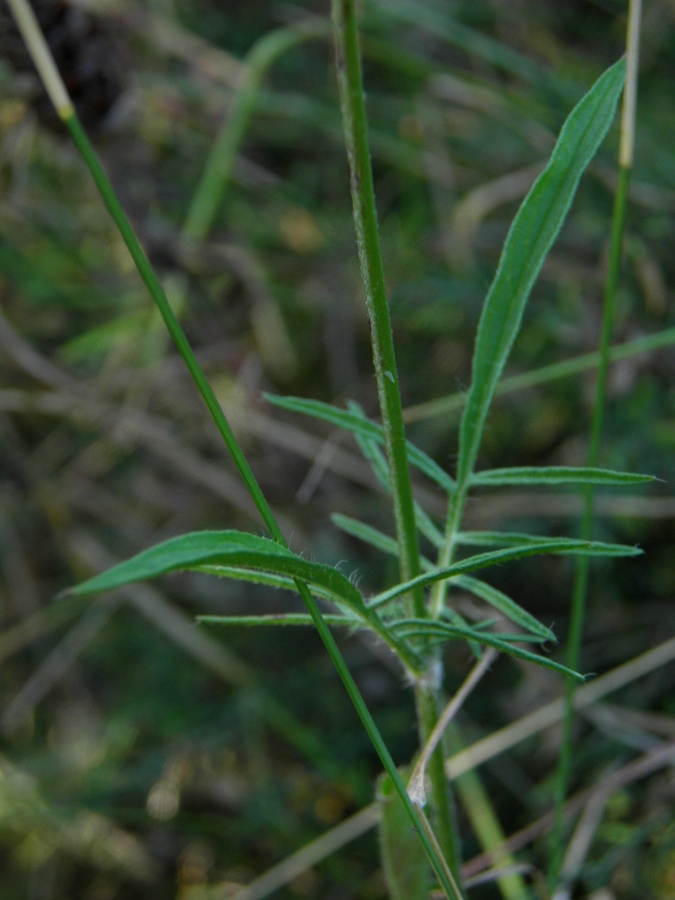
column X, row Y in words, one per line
column 145, row 757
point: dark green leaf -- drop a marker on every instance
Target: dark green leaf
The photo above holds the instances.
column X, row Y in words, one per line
column 222, row 548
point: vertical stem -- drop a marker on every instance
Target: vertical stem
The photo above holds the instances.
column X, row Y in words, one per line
column 580, row 587
column 348, row 62
column 352, row 103
column 428, row 705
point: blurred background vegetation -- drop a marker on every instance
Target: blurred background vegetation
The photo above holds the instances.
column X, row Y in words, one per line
column 143, row 756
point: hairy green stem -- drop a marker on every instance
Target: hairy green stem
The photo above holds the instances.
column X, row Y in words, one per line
column 428, row 704
column 580, row 588
column 348, row 63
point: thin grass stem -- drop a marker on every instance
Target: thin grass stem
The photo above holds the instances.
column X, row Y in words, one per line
column 580, row 587
column 543, row 374
column 217, row 172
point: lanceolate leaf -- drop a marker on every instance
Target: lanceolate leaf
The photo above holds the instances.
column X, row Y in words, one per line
column 505, row 605
column 562, row 546
column 520, row 539
column 555, row 475
column 434, row 628
column 532, row 233
column 360, row 425
column 222, row 548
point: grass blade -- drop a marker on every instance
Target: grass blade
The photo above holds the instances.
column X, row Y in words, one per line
column 406, row 868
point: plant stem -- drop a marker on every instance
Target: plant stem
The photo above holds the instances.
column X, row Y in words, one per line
column 580, row 587
column 348, row 63
column 428, row 704
column 365, row 220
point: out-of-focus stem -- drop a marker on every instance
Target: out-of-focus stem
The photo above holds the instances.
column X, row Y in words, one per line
column 580, row 588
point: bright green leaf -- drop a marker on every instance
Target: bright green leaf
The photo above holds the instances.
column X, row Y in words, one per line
column 530, row 237
column 222, row 548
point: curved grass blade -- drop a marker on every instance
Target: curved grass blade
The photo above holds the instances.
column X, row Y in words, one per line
column 436, row 628
column 222, row 548
column 555, row 475
column 561, row 546
column 360, row 425
column 278, row 619
column 505, row 605
column 530, row 237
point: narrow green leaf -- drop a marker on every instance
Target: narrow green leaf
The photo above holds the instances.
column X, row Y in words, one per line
column 223, row 548
column 373, row 536
column 406, row 869
column 520, row 539
column 530, row 237
column 452, row 632
column 269, row 579
column 277, row 619
column 505, row 605
column 375, row 457
column 366, row 533
column 438, row 638
column 359, row 425
column 555, row 475
column 562, row 546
